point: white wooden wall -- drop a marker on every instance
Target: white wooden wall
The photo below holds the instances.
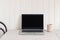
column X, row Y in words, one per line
column 11, row 11
column 57, row 14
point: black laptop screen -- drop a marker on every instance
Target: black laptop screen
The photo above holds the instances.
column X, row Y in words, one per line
column 32, row 21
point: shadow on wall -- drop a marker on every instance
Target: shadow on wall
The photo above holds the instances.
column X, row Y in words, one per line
column 19, row 23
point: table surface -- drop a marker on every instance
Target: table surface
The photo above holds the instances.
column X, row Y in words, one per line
column 14, row 35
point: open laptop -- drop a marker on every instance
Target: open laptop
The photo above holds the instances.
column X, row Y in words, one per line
column 32, row 24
